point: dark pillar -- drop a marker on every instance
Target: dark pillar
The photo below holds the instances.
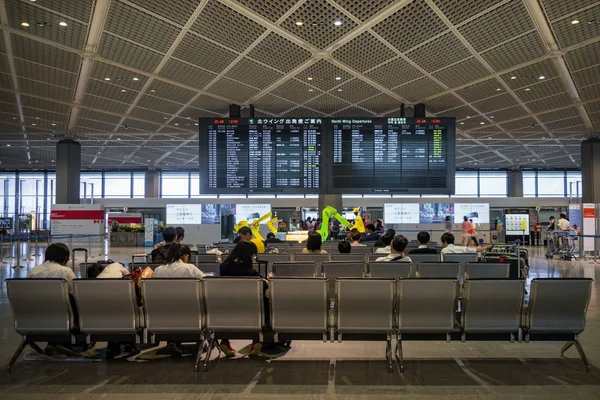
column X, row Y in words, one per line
column 333, row 200
column 515, row 183
column 68, row 171
column 151, row 184
column 590, row 170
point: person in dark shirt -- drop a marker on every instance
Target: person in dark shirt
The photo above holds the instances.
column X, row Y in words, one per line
column 159, row 255
column 244, row 235
column 423, row 238
column 390, row 232
column 371, row 235
column 272, row 239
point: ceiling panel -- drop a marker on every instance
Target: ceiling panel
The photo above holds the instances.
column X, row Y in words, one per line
column 363, row 52
column 273, row 104
column 524, row 48
column 31, row 50
column 327, row 104
column 379, row 104
column 568, row 34
column 128, row 53
column 272, row 10
column 428, row 57
column 296, row 91
column 211, row 104
column 394, row 73
column 186, row 74
column 324, row 75
column 458, row 11
column 354, row 91
column 253, row 74
column 418, row 89
column 583, row 57
column 279, row 53
column 462, row 73
column 232, row 90
column 204, row 54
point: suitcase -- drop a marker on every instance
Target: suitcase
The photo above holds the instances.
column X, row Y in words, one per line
column 82, row 272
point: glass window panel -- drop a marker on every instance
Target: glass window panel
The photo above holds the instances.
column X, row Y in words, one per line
column 529, row 184
column 94, row 178
column 493, row 184
column 174, row 184
column 195, row 184
column 466, row 183
column 117, row 184
column 139, row 185
column 7, row 194
column 574, row 187
column 551, row 184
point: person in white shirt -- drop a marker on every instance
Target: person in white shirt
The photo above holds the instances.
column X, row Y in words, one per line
column 178, row 265
column 387, row 241
column 450, row 248
column 355, row 237
column 397, row 247
column 563, row 222
column 114, row 270
column 56, row 258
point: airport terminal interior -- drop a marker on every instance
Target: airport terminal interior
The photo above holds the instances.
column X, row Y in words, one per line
column 301, row 126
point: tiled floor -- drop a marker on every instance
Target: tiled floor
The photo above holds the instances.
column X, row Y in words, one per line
column 315, row 370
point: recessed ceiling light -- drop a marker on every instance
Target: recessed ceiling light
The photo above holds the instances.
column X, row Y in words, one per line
column 33, row 124
column 311, row 90
column 491, row 116
column 299, row 23
column 118, row 138
column 107, row 79
column 136, row 78
column 542, row 77
column 513, row 77
column 499, row 89
column 62, row 23
column 8, row 145
column 53, row 124
column 310, row 78
column 462, row 123
column 527, row 89
column 196, row 124
column 148, row 160
column 25, row 24
column 482, row 123
column 48, row 139
column 165, row 118
column 123, row 90
column 338, row 78
column 339, row 90
column 176, row 124
column 152, row 91
column 41, row 24
column 575, row 21
column 337, row 23
column 51, row 160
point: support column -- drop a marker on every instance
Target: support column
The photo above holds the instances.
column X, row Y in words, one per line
column 68, row 171
column 151, row 184
column 515, row 183
column 590, row 170
column 333, row 200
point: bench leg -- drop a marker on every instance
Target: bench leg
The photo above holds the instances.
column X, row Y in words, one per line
column 17, row 354
column 582, row 355
column 566, row 347
column 399, row 356
column 200, row 345
column 211, row 344
column 388, row 354
column 35, row 347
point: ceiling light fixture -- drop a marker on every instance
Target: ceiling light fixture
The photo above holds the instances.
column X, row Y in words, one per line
column 497, row 90
column 339, row 90
column 152, row 91
column 575, row 21
column 8, row 145
column 513, row 77
column 527, row 89
column 337, row 23
column 118, row 138
column 311, row 90
column 25, row 24
column 310, row 78
column 33, row 124
column 123, row 90
column 462, row 123
column 62, row 23
column 136, row 78
column 482, row 123
column 299, row 23
column 107, row 79
column 176, row 124
column 542, row 77
column 53, row 124
column 337, row 78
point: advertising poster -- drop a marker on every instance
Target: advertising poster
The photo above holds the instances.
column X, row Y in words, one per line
column 211, row 213
column 77, row 219
column 250, row 212
column 478, row 212
column 514, row 224
column 435, row 213
column 401, row 213
column 589, row 225
column 182, row 214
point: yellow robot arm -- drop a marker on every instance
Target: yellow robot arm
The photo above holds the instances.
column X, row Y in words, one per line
column 240, row 224
column 327, row 213
column 272, row 227
column 255, row 225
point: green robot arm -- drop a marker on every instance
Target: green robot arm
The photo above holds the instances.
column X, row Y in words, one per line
column 327, row 213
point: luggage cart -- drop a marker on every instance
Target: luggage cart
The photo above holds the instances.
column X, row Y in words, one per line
column 561, row 243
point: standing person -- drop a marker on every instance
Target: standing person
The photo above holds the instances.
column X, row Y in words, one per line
column 448, row 224
column 473, row 232
column 159, row 255
column 466, row 229
column 397, row 251
column 563, row 222
column 552, row 224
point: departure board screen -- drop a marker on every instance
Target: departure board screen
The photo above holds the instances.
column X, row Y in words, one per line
column 392, row 155
column 261, row 155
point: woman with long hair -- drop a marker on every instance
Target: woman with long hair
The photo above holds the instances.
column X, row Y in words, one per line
column 178, row 264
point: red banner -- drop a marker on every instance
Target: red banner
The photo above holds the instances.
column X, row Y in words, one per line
column 589, row 212
column 125, row 220
column 77, row 214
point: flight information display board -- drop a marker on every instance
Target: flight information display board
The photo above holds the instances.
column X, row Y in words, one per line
column 261, row 155
column 392, row 155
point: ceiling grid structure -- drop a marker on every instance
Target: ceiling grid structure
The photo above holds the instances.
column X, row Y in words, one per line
column 168, row 64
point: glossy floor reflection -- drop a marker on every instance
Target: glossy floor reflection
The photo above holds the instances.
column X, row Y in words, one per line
column 315, row 370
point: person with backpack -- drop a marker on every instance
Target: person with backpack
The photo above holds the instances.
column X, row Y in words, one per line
column 397, row 249
column 159, row 255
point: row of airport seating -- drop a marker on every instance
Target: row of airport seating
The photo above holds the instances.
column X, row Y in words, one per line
column 390, row 310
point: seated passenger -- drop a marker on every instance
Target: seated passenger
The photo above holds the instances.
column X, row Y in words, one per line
column 397, row 250
column 180, row 234
column 272, row 239
column 177, row 265
column 113, row 270
column 244, row 235
column 54, row 266
column 313, row 244
column 355, row 238
column 390, row 232
column 371, row 235
column 159, row 254
column 387, row 241
column 344, row 247
column 450, row 248
column 423, row 238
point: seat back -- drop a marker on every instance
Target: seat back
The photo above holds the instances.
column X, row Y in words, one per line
column 204, row 258
column 462, row 258
column 424, row 257
column 365, row 305
column 438, row 270
column 271, row 258
column 212, row 267
column 233, row 303
column 427, row 305
column 389, row 269
column 143, row 265
column 358, row 257
column 343, row 269
column 317, row 258
column 305, row 269
column 479, row 270
column 362, row 249
column 40, row 305
column 107, row 306
column 492, row 305
column 299, row 305
column 373, row 257
column 173, row 305
column 558, row 305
